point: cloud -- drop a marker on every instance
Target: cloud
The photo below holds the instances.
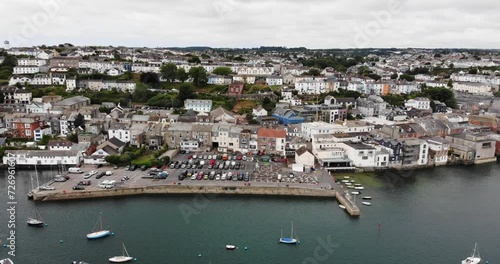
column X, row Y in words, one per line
column 238, row 23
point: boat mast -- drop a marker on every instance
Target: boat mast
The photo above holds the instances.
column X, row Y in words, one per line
column 37, row 182
column 125, row 252
column 291, row 233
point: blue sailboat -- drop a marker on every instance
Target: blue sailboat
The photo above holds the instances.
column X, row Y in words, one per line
column 99, row 233
column 289, row 240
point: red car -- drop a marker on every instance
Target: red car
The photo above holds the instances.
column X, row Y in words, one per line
column 190, row 157
column 239, row 157
column 212, row 162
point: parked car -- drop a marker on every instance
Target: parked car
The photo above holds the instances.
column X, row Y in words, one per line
column 235, row 176
column 133, row 167
column 247, row 176
column 125, row 178
column 86, row 183
column 60, row 179
column 78, row 187
column 144, row 167
column 127, row 168
column 115, row 167
column 240, row 177
column 182, row 151
column 193, row 176
column 217, row 177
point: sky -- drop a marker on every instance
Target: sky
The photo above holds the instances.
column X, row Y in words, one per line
column 314, row 24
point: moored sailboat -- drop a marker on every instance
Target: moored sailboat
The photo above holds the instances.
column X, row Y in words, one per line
column 475, row 258
column 98, row 233
column 125, row 257
column 35, row 220
column 289, row 240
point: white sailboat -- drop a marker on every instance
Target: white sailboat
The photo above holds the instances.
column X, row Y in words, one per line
column 288, row 240
column 36, row 220
column 98, row 233
column 125, row 257
column 6, row 261
column 475, row 258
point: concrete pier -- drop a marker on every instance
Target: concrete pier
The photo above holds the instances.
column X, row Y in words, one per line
column 183, row 189
column 350, row 207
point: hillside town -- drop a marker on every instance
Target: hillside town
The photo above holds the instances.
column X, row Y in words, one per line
column 392, row 109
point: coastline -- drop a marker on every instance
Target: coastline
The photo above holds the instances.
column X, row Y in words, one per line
column 184, row 189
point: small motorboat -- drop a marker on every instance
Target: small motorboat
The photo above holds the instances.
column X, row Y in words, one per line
column 78, row 262
column 350, row 186
column 359, row 188
column 353, row 181
column 346, row 177
column 355, row 193
column 367, row 197
column 357, row 184
column 348, row 183
column 342, row 206
column 230, row 247
column 366, row 203
column 345, row 181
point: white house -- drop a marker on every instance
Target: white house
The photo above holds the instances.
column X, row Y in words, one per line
column 31, row 62
column 41, row 79
column 421, row 103
column 26, row 70
column 198, row 105
column 311, row 87
column 22, row 96
column 473, row 88
column 304, row 157
column 259, row 111
column 363, row 155
column 218, row 79
column 320, row 128
column 189, row 144
column 70, row 84
column 274, row 80
column 256, row 71
column 120, row 131
column 39, row 108
column 244, row 79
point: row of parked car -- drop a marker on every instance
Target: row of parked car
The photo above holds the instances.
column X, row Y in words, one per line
column 135, row 167
column 215, row 175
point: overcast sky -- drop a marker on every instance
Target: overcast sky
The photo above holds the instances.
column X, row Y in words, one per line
column 253, row 23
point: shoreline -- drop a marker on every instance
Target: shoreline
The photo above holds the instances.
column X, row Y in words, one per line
column 185, row 190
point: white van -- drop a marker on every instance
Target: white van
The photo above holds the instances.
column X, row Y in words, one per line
column 103, row 184
column 75, row 170
column 109, row 173
column 107, row 184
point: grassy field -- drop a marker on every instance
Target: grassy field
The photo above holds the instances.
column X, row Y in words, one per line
column 244, row 104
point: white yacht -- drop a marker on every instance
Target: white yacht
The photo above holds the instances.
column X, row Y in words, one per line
column 475, row 258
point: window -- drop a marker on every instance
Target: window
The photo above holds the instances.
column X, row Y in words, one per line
column 27, row 125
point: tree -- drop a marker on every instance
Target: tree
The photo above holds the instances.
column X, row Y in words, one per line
column 450, row 83
column 473, row 71
column 314, row 72
column 186, row 91
column 222, row 71
column 199, row 76
column 181, row 75
column 150, row 78
column 80, row 121
column 394, row 76
column 194, row 59
column 141, row 94
column 407, row 77
column 168, row 72
column 73, row 137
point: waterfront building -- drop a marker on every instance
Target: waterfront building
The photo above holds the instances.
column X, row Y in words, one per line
column 318, row 128
column 438, row 151
column 43, row 157
column 476, row 148
column 304, row 157
column 271, row 141
column 415, row 152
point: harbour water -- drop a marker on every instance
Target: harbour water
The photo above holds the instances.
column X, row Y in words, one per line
column 428, row 216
